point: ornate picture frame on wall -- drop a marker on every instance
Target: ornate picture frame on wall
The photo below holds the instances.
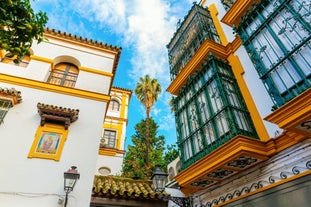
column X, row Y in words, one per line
column 49, row 142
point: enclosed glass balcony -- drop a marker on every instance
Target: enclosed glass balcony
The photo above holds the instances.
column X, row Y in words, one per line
column 192, row 32
column 210, row 111
column 277, row 37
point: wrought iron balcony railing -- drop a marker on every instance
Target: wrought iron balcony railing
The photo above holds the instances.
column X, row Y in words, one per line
column 196, row 27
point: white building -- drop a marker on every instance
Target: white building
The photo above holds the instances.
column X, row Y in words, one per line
column 60, row 94
column 112, row 142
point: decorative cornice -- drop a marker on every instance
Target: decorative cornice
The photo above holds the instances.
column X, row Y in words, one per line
column 12, row 94
column 85, row 42
column 57, row 34
column 58, row 114
column 199, row 57
column 236, row 149
column 260, row 186
column 237, row 10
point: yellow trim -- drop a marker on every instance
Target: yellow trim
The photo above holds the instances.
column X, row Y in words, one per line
column 62, row 37
column 214, row 12
column 117, row 127
column 293, row 113
column 238, row 72
column 233, row 16
column 91, row 70
column 202, row 2
column 42, row 59
column 294, row 177
column 110, row 152
column 238, row 146
column 53, row 88
column 123, row 106
column 37, row 150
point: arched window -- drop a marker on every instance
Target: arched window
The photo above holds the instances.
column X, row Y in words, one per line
column 114, row 105
column 64, row 74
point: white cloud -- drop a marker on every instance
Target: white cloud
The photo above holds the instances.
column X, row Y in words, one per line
column 145, row 27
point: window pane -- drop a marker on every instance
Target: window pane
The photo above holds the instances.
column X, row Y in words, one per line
column 64, row 74
column 5, row 105
column 109, row 138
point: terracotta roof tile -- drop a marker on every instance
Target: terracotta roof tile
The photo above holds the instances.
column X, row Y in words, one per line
column 119, row 187
column 11, row 93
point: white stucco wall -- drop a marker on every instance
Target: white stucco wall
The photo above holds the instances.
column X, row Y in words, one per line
column 39, row 182
column 114, row 163
column 42, row 176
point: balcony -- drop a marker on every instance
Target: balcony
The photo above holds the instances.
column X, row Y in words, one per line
column 192, row 32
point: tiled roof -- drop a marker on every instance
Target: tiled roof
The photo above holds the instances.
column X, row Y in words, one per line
column 86, row 42
column 82, row 39
column 13, row 93
column 126, row 188
column 57, row 113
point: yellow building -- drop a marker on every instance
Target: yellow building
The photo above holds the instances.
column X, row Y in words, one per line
column 112, row 141
column 228, row 157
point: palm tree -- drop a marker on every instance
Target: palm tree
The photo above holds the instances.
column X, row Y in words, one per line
column 147, row 91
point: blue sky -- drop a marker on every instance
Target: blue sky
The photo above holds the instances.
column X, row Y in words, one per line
column 142, row 28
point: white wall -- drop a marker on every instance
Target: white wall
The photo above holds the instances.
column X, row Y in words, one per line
column 114, row 163
column 39, row 182
column 39, row 177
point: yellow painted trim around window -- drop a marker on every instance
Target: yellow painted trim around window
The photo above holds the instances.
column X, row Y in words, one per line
column 238, row 72
column 53, row 88
column 91, row 70
column 237, row 10
column 214, row 12
column 49, row 142
column 117, row 127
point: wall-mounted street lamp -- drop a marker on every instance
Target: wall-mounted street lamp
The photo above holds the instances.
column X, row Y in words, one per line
column 70, row 179
column 158, row 179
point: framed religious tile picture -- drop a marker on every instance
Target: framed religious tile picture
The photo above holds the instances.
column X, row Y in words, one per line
column 49, row 142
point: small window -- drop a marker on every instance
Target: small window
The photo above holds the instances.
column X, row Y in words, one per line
column 104, row 171
column 5, row 105
column 109, row 139
column 114, row 105
column 10, row 60
column 64, row 74
column 8, row 98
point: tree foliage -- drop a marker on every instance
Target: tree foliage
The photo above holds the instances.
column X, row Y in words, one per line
column 134, row 165
column 19, row 26
column 170, row 154
column 147, row 91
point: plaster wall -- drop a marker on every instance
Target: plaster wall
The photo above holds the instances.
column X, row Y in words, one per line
column 114, row 163
column 39, row 182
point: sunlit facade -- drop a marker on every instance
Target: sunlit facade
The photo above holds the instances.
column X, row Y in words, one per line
column 52, row 109
column 240, row 80
column 112, row 142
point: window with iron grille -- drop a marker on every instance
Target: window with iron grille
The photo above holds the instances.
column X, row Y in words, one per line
column 5, row 105
column 64, row 74
column 277, row 36
column 109, row 139
column 210, row 111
